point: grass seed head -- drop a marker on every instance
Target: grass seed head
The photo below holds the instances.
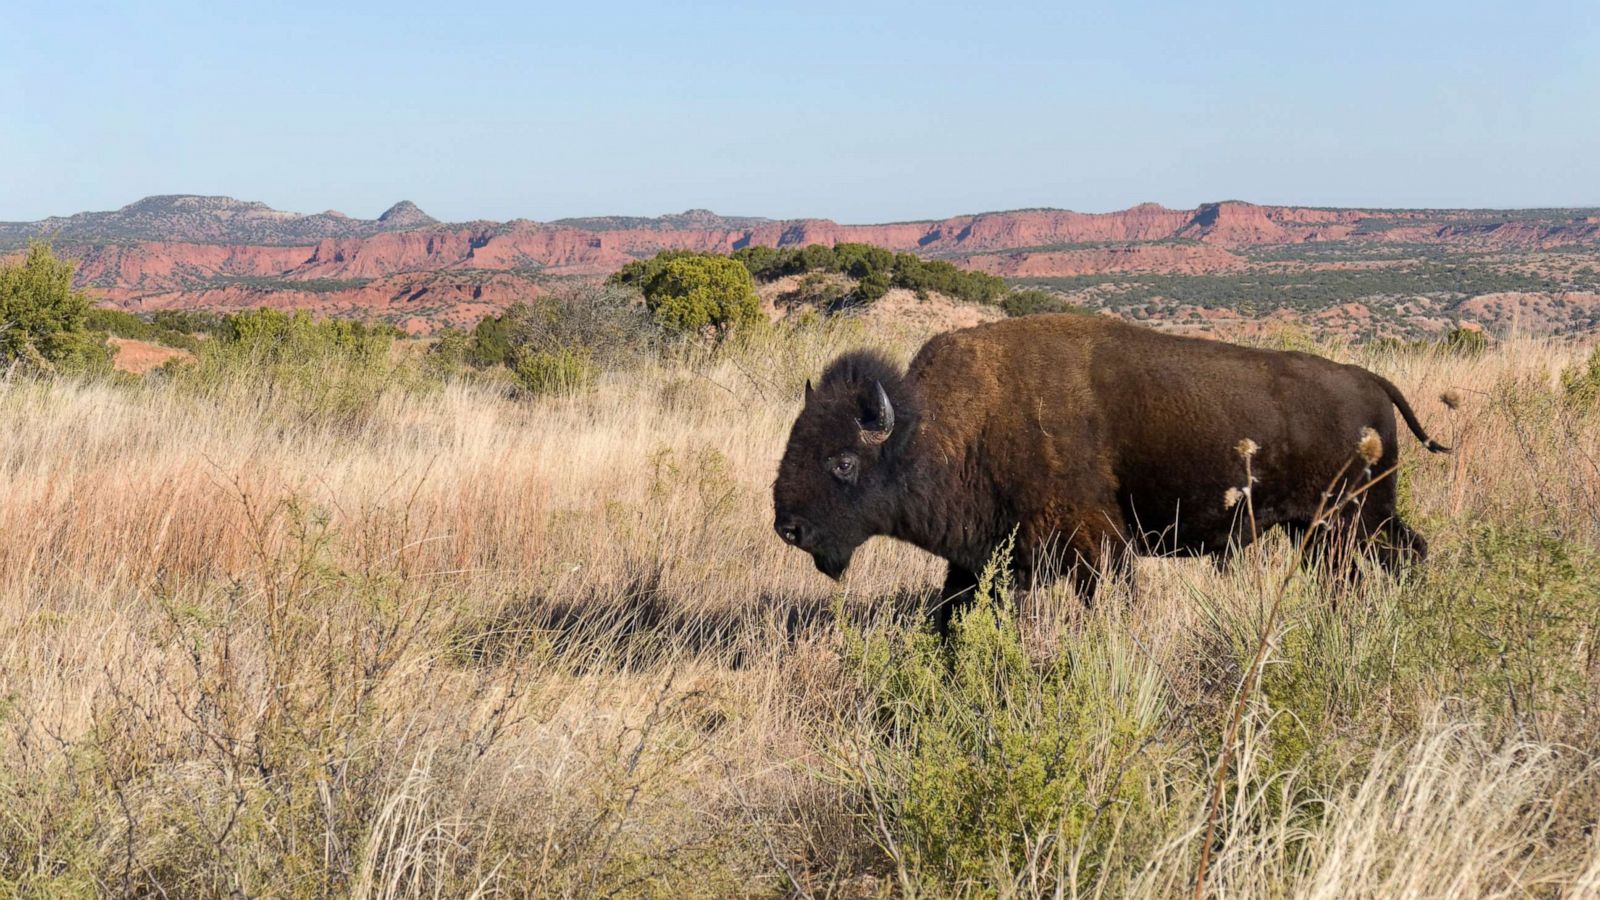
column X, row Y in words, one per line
column 1370, row 446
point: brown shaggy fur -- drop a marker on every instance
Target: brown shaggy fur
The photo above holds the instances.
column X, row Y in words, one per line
column 1092, row 439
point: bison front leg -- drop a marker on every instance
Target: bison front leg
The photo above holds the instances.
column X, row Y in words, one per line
column 960, row 585
column 1095, row 555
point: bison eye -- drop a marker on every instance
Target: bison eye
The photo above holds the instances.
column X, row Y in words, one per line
column 844, row 467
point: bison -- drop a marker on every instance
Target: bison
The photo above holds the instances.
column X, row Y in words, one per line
column 1089, row 440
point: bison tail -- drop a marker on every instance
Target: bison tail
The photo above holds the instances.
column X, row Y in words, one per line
column 1400, row 403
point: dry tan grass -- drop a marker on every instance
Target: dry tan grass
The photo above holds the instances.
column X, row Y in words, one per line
column 481, row 645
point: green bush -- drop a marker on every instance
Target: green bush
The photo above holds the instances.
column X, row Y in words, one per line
column 872, row 287
column 691, row 294
column 331, row 371
column 1507, row 617
column 1032, row 301
column 920, row 275
column 563, row 371
column 876, row 269
column 1465, row 341
column 641, row 272
column 557, row 343
column 187, row 321
column 822, row 291
column 279, row 335
column 43, row 319
column 764, row 263
column 984, row 760
column 864, row 261
column 128, row 325
column 1580, row 384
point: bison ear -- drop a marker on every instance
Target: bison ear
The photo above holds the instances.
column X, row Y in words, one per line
column 878, row 424
column 808, row 390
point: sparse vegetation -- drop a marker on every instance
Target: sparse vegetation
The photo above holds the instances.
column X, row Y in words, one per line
column 304, row 617
column 1394, row 282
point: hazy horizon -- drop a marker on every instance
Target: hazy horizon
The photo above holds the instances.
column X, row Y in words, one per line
column 898, row 113
column 1578, row 207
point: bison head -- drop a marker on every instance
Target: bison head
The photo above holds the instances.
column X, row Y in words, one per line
column 835, row 485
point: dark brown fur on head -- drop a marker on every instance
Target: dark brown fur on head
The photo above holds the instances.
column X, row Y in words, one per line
column 835, row 485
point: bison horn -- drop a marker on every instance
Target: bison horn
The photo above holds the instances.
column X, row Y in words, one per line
column 883, row 419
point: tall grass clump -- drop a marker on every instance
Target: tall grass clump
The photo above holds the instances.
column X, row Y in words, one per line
column 292, row 367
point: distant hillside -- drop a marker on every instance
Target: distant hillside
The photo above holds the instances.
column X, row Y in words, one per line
column 187, row 217
column 1365, row 272
column 690, row 220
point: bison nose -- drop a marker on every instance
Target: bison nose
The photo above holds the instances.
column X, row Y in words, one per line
column 792, row 531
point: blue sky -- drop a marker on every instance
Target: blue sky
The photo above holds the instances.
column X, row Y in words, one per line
column 863, row 112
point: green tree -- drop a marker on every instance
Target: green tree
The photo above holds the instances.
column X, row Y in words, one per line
column 693, row 293
column 863, row 261
column 1031, row 301
column 604, row 323
column 42, row 318
column 641, row 272
column 817, row 257
column 765, row 263
column 872, row 287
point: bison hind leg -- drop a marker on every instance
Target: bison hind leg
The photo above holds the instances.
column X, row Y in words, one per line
column 1396, row 545
column 1334, row 548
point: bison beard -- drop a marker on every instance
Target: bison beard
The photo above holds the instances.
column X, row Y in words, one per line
column 1091, row 440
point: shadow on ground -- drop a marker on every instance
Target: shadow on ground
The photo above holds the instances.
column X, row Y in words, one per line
column 639, row 623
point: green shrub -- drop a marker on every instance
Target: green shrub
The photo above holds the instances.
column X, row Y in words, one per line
column 119, row 323
column 187, row 321
column 864, row 261
column 279, row 335
column 920, row 275
column 1294, row 337
column 128, row 325
column 877, row 269
column 691, row 294
column 331, row 370
column 765, row 263
column 556, row 343
column 822, row 291
column 641, row 272
column 43, row 319
column 872, row 287
column 1580, row 384
column 1032, row 301
column 1507, row 617
column 563, row 371
column 984, row 760
column 1465, row 341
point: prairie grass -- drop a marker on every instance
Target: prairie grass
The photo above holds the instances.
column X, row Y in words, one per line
column 346, row 632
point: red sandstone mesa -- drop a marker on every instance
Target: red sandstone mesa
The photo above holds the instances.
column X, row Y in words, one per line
column 215, row 252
